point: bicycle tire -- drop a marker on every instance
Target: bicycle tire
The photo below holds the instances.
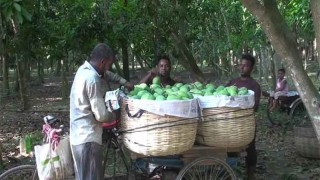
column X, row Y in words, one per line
column 298, row 114
column 23, row 172
column 278, row 116
column 200, row 169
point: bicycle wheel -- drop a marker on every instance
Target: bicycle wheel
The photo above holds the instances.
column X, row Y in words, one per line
column 206, row 168
column 115, row 163
column 278, row 116
column 299, row 115
column 23, row 172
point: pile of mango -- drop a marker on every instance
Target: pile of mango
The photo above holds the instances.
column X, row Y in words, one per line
column 180, row 91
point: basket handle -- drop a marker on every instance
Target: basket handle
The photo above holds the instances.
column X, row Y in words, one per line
column 136, row 115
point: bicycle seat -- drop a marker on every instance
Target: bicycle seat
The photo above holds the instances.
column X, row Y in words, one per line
column 110, row 124
column 49, row 119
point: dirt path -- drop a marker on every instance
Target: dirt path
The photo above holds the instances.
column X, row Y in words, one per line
column 277, row 158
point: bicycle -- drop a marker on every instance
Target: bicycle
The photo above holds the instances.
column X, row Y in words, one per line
column 290, row 110
column 162, row 168
column 28, row 172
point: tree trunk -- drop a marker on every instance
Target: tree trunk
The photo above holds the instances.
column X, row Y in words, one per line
column 21, row 73
column 58, row 69
column 118, row 68
column 4, row 57
column 284, row 42
column 27, row 68
column 125, row 59
column 5, row 71
column 188, row 60
column 140, row 62
column 315, row 8
column 64, row 87
column 22, row 84
column 40, row 70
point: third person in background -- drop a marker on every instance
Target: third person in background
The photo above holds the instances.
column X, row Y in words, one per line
column 281, row 88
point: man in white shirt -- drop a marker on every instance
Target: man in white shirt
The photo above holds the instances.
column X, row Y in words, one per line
column 87, row 112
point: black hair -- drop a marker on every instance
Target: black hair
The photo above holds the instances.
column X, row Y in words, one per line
column 250, row 58
column 166, row 57
column 282, row 70
column 101, row 51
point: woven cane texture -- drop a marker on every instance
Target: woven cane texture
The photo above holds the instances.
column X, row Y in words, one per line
column 306, row 142
column 155, row 135
column 226, row 127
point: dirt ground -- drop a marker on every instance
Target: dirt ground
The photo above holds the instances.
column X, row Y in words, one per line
column 277, row 156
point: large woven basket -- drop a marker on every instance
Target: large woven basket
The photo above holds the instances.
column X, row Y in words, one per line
column 306, row 142
column 154, row 135
column 226, row 127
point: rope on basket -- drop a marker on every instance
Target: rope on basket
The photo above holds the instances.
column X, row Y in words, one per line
column 153, row 126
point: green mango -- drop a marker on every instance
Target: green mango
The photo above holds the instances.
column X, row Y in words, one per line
column 168, row 91
column 219, row 88
column 175, row 89
column 182, row 94
column 197, row 91
column 184, row 89
column 209, row 89
column 173, row 97
column 207, row 94
column 148, row 96
column 243, row 88
column 190, row 96
column 154, row 86
column 142, row 85
column 133, row 92
column 160, row 98
column 178, row 85
column 156, row 80
column 159, row 91
column 224, row 92
column 210, row 86
column 233, row 93
column 243, row 92
column 140, row 93
column 232, row 89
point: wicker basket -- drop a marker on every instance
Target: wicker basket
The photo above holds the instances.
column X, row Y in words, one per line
column 154, row 135
column 306, row 142
column 226, row 127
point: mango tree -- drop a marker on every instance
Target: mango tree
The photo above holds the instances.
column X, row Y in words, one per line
column 285, row 44
column 15, row 14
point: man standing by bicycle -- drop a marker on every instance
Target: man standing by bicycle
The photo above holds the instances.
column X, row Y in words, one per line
column 245, row 80
column 87, row 112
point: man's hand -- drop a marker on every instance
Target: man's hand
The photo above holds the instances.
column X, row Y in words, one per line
column 129, row 86
column 153, row 71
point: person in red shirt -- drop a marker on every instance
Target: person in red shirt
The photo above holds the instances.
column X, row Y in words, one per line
column 245, row 80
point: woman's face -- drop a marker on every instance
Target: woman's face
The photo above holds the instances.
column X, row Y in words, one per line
column 281, row 74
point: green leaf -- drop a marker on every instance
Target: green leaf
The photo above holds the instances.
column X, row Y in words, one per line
column 19, row 17
column 17, row 7
column 26, row 14
column 8, row 15
column 17, row 0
